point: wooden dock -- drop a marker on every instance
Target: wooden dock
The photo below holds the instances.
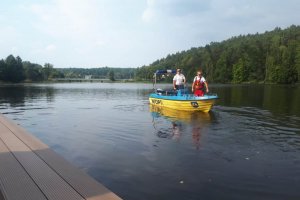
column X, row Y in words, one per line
column 30, row 170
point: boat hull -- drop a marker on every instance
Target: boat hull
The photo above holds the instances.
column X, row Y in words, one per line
column 186, row 103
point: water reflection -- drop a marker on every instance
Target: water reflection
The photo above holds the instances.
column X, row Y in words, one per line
column 17, row 95
column 279, row 99
column 180, row 122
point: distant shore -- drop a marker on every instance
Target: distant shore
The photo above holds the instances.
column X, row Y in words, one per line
column 78, row 80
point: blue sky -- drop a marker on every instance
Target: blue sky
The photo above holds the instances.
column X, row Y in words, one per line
column 129, row 33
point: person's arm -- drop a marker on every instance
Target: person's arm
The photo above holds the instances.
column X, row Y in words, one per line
column 193, row 85
column 206, row 86
column 174, row 82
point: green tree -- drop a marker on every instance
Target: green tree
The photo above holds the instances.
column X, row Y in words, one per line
column 223, row 71
column 2, row 69
column 270, row 69
column 13, row 71
column 290, row 74
column 239, row 72
column 297, row 59
column 57, row 74
column 47, row 70
column 208, row 63
column 33, row 72
column 111, row 75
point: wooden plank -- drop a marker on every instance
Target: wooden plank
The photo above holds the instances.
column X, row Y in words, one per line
column 52, row 185
column 81, row 182
column 1, row 195
column 84, row 184
column 14, row 180
column 22, row 134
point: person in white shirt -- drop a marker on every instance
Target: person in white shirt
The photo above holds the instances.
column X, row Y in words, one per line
column 199, row 84
column 179, row 80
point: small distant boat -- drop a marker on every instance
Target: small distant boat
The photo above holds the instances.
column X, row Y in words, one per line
column 180, row 99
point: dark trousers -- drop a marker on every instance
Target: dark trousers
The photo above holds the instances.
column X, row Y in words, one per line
column 178, row 87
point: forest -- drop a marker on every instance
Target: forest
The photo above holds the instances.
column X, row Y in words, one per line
column 270, row 57
column 13, row 69
column 99, row 73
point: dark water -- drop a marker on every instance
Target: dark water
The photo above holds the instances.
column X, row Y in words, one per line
column 248, row 147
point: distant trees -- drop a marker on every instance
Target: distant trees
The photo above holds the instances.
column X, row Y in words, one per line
column 281, row 62
column 271, row 57
column 239, row 71
column 48, row 69
column 33, row 72
column 101, row 73
column 111, row 75
column 12, row 69
column 297, row 59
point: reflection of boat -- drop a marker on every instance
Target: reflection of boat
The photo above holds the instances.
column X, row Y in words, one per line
column 180, row 99
column 181, row 115
column 180, row 121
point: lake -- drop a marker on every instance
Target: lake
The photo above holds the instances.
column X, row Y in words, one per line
column 247, row 147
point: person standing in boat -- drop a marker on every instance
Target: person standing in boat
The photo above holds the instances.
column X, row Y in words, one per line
column 179, row 80
column 199, row 84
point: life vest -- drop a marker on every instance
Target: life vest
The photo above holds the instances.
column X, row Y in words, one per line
column 198, row 85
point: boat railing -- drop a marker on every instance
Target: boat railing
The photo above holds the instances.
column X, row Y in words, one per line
column 181, row 92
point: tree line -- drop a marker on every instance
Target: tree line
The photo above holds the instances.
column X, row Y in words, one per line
column 99, row 73
column 271, row 57
column 13, row 69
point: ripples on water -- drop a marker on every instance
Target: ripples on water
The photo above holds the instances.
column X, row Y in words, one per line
column 282, row 131
column 246, row 148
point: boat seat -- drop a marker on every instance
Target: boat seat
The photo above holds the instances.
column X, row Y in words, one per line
column 160, row 91
column 166, row 92
column 181, row 92
column 171, row 92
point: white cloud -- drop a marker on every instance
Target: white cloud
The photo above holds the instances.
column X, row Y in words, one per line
column 173, row 9
column 148, row 15
column 50, row 48
column 77, row 20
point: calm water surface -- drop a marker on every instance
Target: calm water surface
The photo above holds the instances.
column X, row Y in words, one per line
column 247, row 147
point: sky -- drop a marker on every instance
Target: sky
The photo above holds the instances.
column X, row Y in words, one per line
column 129, row 33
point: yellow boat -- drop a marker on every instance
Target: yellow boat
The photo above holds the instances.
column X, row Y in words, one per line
column 180, row 99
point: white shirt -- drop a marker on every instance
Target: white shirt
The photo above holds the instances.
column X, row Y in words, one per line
column 179, row 78
column 202, row 79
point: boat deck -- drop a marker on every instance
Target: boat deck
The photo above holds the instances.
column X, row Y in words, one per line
column 30, row 170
